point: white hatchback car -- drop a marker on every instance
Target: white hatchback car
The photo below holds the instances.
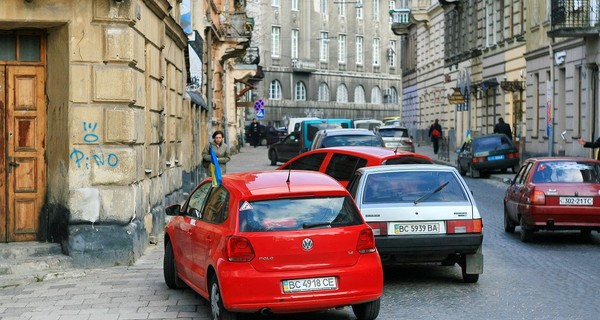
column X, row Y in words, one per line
column 421, row 213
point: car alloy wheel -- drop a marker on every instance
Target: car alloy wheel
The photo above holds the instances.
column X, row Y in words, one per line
column 217, row 310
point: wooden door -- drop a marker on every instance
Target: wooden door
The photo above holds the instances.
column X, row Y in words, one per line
column 24, row 163
column 3, row 189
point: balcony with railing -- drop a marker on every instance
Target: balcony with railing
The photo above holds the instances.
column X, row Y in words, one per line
column 574, row 18
column 400, row 21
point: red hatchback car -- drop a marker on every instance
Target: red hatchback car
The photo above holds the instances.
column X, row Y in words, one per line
column 273, row 242
column 554, row 194
column 341, row 162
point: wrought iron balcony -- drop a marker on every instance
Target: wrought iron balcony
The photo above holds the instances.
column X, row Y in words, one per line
column 400, row 21
column 574, row 18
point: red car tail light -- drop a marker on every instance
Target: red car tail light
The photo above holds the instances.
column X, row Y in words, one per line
column 239, row 249
column 478, row 159
column 512, row 155
column 537, row 197
column 407, row 142
column 379, row 228
column 464, row 226
column 366, row 241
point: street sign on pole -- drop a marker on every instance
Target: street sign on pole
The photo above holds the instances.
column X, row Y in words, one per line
column 260, row 114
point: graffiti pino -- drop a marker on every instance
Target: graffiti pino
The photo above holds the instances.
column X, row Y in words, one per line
column 97, row 155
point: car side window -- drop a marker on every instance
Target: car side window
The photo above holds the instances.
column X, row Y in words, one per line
column 311, row 162
column 216, row 206
column 353, row 184
column 197, row 199
column 342, row 166
column 522, row 174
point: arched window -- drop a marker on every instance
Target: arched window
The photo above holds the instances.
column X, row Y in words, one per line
column 300, row 93
column 359, row 94
column 342, row 94
column 391, row 95
column 323, row 92
column 376, row 95
column 275, row 90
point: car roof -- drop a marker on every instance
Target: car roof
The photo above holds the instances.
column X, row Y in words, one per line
column 546, row 159
column 406, row 167
column 379, row 153
column 348, row 131
column 275, row 183
column 489, row 135
column 392, row 127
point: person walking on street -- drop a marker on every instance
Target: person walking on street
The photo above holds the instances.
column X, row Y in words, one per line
column 255, row 132
column 271, row 134
column 586, row 144
column 503, row 127
column 435, row 133
column 221, row 150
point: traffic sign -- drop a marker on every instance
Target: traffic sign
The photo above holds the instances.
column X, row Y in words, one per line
column 260, row 114
column 259, row 104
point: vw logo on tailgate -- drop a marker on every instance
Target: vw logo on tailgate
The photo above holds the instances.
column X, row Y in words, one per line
column 307, row 244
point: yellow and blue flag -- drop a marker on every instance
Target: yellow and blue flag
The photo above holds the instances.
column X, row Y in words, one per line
column 215, row 169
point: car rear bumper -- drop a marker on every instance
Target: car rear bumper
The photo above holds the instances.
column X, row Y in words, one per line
column 429, row 245
column 496, row 164
column 245, row 289
column 584, row 218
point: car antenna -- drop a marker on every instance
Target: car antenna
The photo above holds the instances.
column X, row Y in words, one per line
column 289, row 174
column 397, row 146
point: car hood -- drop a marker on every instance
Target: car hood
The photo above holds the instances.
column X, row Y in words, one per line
column 284, row 251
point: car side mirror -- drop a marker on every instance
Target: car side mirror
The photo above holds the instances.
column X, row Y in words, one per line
column 507, row 181
column 458, row 150
column 173, row 210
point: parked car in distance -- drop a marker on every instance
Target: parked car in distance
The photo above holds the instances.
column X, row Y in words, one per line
column 285, row 149
column 293, row 124
column 346, row 137
column 369, row 124
column 265, row 137
column 309, row 128
column 273, row 242
column 553, row 193
column 341, row 162
column 421, row 213
column 396, row 137
column 392, row 121
column 481, row 155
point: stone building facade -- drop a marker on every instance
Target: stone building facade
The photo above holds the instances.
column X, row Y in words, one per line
column 94, row 123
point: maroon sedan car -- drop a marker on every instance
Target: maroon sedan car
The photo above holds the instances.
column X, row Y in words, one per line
column 554, row 194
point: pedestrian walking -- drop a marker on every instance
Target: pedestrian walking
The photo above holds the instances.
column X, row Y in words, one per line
column 255, row 132
column 221, row 150
column 271, row 134
column 435, row 133
column 595, row 144
column 503, row 127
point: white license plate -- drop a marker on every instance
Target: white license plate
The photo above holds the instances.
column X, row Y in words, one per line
column 310, row 284
column 576, row 201
column 405, row 228
column 500, row 157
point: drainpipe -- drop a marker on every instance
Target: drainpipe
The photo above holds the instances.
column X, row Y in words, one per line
column 550, row 112
column 209, row 80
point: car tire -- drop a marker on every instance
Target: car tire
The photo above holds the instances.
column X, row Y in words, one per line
column 474, row 173
column 469, row 277
column 273, row 157
column 526, row 234
column 170, row 269
column 515, row 168
column 217, row 310
column 509, row 225
column 367, row 311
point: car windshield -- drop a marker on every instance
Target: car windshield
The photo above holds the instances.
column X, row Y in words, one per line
column 413, row 186
column 298, row 214
column 492, row 143
column 351, row 140
column 393, row 133
column 567, row 172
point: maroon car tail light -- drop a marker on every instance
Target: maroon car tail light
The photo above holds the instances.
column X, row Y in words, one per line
column 379, row 228
column 537, row 197
column 512, row 155
column 464, row 226
column 366, row 241
column 478, row 159
column 407, row 142
column 239, row 249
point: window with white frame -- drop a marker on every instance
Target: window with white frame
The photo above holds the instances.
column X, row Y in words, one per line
column 324, row 46
column 300, row 94
column 275, row 90
column 323, row 92
column 342, row 9
column 342, row 94
column 275, row 42
column 324, row 7
column 360, row 50
column 295, row 5
column 342, row 48
column 375, row 10
column 392, row 7
column 376, row 52
column 392, row 54
column 392, row 95
column 276, row 3
column 295, row 36
column 359, row 9
column 376, row 95
column 359, row 94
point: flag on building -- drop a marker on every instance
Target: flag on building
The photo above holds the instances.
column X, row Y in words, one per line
column 215, row 169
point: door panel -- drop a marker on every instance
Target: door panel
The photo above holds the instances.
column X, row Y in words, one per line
column 3, row 188
column 26, row 136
